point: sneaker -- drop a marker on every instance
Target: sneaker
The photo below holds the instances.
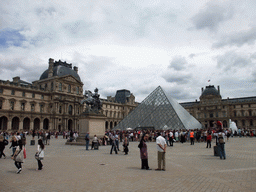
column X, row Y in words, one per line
column 19, row 170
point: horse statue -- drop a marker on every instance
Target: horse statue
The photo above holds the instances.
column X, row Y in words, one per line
column 93, row 102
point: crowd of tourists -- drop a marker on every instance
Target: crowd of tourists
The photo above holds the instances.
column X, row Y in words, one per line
column 17, row 141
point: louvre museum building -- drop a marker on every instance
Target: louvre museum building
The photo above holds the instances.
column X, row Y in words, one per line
column 53, row 103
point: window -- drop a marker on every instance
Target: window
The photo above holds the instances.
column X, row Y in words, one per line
column 77, row 90
column 60, row 86
column 224, row 113
column 217, row 114
column 23, row 94
column 250, row 113
column 42, row 96
column 198, row 115
column 1, row 90
column 211, row 114
column 52, row 86
column 13, row 92
column 234, row 106
column 205, row 115
column 70, row 110
column 32, row 107
column 243, row 122
column 69, row 88
column 33, row 95
column 78, row 111
column 251, row 122
column 242, row 112
column 41, row 108
column 22, row 106
column 234, row 113
column 12, row 105
column 1, row 104
column 60, row 109
column 45, row 86
column 241, row 106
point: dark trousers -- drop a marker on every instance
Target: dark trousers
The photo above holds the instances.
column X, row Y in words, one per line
column 87, row 144
column 113, row 147
column 2, row 153
column 144, row 164
column 171, row 141
column 192, row 141
column 40, row 165
column 18, row 164
column 209, row 143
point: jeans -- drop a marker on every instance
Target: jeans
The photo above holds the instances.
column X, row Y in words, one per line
column 113, row 146
column 117, row 144
column 209, row 143
column 221, row 147
column 87, row 144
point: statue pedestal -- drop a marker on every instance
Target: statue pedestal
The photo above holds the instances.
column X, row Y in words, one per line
column 92, row 123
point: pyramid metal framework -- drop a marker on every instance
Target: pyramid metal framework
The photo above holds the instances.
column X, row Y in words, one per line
column 160, row 112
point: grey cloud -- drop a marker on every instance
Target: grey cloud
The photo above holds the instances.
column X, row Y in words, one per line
column 177, row 78
column 237, row 39
column 211, row 16
column 232, row 60
column 178, row 63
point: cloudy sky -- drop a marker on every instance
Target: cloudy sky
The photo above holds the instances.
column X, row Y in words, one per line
column 134, row 44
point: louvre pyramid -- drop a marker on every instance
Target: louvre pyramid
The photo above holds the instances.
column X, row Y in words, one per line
column 161, row 112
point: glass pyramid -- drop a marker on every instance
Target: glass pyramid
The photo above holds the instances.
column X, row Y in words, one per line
column 160, row 112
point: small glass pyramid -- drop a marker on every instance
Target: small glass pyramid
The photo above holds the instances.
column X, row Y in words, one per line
column 159, row 112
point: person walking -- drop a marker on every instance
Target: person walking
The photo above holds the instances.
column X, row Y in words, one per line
column 3, row 142
column 144, row 152
column 125, row 145
column 209, row 140
column 14, row 144
column 113, row 144
column 40, row 151
column 18, row 156
column 87, row 139
column 171, row 138
column 221, row 144
column 192, row 137
column 161, row 150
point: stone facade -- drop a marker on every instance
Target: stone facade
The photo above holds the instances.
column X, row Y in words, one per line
column 212, row 107
column 52, row 102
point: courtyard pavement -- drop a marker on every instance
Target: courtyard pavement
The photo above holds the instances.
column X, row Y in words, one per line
column 188, row 168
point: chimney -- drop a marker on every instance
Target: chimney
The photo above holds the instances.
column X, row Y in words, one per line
column 16, row 79
column 218, row 89
column 75, row 69
column 50, row 69
column 202, row 89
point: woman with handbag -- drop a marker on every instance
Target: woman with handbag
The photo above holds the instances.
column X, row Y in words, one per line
column 18, row 156
column 40, row 154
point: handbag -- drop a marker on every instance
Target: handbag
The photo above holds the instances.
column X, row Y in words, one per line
column 18, row 157
column 37, row 155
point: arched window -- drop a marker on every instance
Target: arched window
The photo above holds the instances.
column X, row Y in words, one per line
column 70, row 110
column 60, row 109
column 69, row 88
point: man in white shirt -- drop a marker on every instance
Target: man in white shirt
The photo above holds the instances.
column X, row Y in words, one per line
column 161, row 149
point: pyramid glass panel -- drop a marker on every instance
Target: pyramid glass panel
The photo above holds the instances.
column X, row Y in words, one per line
column 160, row 112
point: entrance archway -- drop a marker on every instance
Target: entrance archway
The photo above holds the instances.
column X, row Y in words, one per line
column 106, row 125
column 15, row 123
column 26, row 124
column 70, row 122
column 36, row 124
column 3, row 123
column 111, row 125
column 46, row 124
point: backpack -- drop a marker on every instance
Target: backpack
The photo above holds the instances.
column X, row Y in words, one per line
column 221, row 140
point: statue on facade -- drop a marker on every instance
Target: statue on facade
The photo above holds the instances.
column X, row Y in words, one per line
column 92, row 100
